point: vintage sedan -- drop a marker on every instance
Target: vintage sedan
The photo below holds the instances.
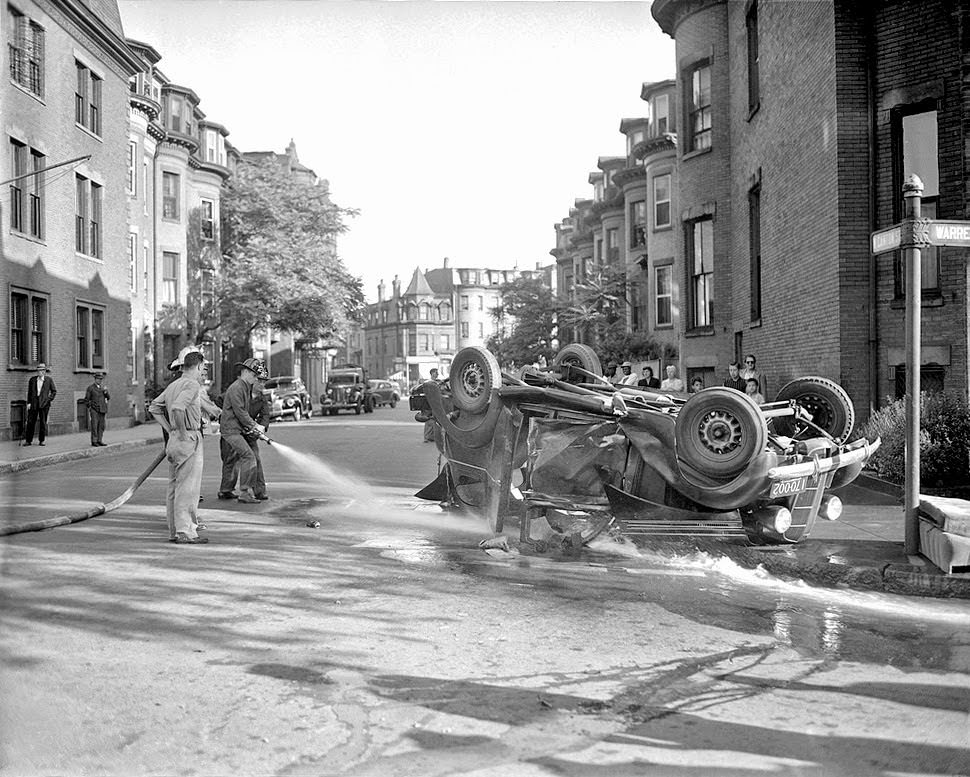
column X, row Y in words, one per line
column 564, row 445
column 383, row 392
column 290, row 398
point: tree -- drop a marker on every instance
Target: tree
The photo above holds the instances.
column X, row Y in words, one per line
column 526, row 317
column 601, row 309
column 279, row 266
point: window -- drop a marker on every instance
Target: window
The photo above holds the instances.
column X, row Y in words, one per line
column 208, row 220
column 445, row 343
column 633, row 140
column 661, row 201
column 26, row 51
column 171, row 186
column 754, row 89
column 700, row 242
column 464, row 329
column 661, row 114
column 133, row 262
column 425, row 347
column 699, row 108
column 664, row 295
column 423, row 314
column 175, row 113
column 94, row 242
column 638, row 219
column 170, row 278
column 211, row 149
column 80, row 214
column 144, row 186
column 754, row 246
column 612, row 245
column 26, row 190
column 87, row 98
column 89, row 336
column 464, row 302
column 28, row 327
column 132, row 167
column 915, row 150
column 481, row 302
column 144, row 264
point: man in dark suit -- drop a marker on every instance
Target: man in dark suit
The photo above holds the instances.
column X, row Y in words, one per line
column 96, row 398
column 40, row 394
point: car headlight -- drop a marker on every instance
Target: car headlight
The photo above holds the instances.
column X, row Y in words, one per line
column 831, row 508
column 775, row 518
column 288, row 402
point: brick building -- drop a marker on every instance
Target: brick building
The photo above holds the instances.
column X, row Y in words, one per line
column 799, row 122
column 441, row 311
column 64, row 240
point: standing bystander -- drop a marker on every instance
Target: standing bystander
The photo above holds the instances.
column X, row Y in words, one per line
column 672, row 382
column 627, row 378
column 178, row 409
column 430, row 424
column 40, row 393
column 734, row 379
column 753, row 390
column 96, row 398
column 648, row 381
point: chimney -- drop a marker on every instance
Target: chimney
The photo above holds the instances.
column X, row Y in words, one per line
column 380, row 291
column 447, row 263
column 396, row 287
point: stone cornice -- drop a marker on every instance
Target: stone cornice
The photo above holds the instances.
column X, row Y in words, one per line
column 145, row 105
column 670, row 13
column 185, row 141
column 654, row 145
column 629, row 175
column 156, row 130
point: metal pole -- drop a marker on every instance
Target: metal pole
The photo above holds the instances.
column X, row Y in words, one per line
column 912, row 194
column 45, row 169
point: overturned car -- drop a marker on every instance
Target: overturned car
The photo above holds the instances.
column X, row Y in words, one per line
column 565, row 445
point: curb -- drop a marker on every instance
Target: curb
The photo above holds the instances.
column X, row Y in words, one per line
column 871, row 482
column 891, row 578
column 8, row 467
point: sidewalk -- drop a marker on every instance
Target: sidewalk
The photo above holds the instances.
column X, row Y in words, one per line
column 15, row 457
column 862, row 550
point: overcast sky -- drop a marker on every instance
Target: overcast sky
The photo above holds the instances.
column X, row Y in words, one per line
column 462, row 129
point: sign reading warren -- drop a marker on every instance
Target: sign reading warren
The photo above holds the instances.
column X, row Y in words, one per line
column 950, row 233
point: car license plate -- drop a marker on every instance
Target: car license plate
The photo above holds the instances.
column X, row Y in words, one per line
column 787, row 487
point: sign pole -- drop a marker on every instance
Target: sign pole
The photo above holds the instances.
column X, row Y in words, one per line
column 912, row 194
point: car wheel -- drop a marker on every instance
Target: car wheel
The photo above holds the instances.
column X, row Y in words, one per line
column 393, row 402
column 332, row 411
column 719, row 431
column 578, row 355
column 297, row 413
column 826, row 401
column 309, row 410
column 358, row 407
column 474, row 373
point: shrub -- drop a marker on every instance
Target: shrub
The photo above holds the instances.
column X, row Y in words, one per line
column 944, row 440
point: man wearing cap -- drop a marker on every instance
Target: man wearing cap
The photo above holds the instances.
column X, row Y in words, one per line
column 259, row 411
column 627, row 378
column 40, row 394
column 96, row 399
column 235, row 423
column 178, row 409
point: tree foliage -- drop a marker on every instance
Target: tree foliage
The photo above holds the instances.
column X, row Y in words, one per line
column 280, row 265
column 527, row 322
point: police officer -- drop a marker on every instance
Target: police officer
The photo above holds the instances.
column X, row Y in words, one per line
column 96, row 399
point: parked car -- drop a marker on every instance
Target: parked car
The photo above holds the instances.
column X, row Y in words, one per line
column 588, row 454
column 346, row 389
column 289, row 398
column 383, row 392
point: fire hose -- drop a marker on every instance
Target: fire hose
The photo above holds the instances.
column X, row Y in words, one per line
column 100, row 509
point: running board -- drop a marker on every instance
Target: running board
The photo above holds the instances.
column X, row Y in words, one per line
column 639, row 517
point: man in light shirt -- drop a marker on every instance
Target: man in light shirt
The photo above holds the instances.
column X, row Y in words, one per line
column 178, row 409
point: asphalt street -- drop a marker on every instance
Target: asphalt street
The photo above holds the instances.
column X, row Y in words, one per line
column 385, row 642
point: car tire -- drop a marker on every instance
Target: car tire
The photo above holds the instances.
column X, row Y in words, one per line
column 474, row 373
column 826, row 400
column 297, row 413
column 579, row 355
column 332, row 411
column 719, row 431
column 393, row 402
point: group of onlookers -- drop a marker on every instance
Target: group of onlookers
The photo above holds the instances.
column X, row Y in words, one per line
column 742, row 376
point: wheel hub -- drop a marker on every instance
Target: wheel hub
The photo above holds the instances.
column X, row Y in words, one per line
column 472, row 380
column 720, row 432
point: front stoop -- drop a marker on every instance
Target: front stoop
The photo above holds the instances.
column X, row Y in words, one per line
column 944, row 533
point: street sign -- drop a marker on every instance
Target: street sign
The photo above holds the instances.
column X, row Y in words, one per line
column 948, row 233
column 887, row 239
